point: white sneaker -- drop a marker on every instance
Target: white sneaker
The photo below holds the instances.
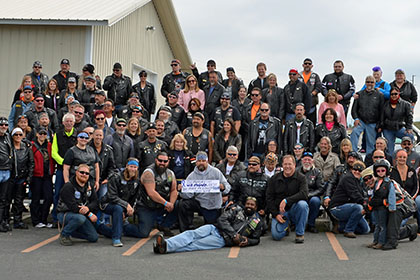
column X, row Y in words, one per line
column 40, row 225
column 49, row 225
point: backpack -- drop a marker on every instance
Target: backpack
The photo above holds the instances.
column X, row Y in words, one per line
column 405, row 203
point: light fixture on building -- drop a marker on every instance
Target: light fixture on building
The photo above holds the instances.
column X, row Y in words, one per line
column 150, row 27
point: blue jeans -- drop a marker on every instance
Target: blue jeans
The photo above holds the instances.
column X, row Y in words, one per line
column 78, row 226
column 350, row 218
column 381, row 220
column 297, row 214
column 314, row 204
column 102, row 217
column 390, row 135
column 4, row 175
column 206, row 237
column 118, row 226
column 147, row 218
column 369, row 129
column 59, row 182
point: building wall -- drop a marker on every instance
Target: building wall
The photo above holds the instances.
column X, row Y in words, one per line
column 128, row 42
column 21, row 45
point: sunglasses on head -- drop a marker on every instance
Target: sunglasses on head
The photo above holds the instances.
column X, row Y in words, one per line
column 162, row 160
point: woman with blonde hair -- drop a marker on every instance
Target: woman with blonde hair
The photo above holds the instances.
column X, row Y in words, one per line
column 134, row 129
column 345, row 149
column 180, row 158
column 26, row 81
column 191, row 91
column 331, row 101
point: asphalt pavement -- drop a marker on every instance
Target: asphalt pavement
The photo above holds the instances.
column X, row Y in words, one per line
column 318, row 258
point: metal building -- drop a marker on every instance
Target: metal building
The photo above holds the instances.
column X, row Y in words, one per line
column 140, row 34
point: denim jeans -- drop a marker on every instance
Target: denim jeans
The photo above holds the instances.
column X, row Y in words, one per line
column 118, row 226
column 314, row 204
column 390, row 135
column 103, row 217
column 147, row 218
column 206, row 237
column 369, row 129
column 381, row 219
column 297, row 214
column 78, row 226
column 350, row 218
column 4, row 175
column 59, row 182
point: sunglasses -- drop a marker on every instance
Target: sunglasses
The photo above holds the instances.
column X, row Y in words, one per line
column 224, row 98
column 99, row 119
column 27, row 91
column 380, row 170
column 84, row 173
column 39, row 100
column 357, row 169
column 394, row 93
column 116, row 70
column 136, row 111
column 173, row 96
column 255, row 95
column 37, row 67
column 78, row 113
column 162, row 160
column 42, row 133
column 121, row 124
column 368, row 82
column 231, row 154
column 84, row 137
column 379, row 157
column 4, row 124
column 307, row 63
column 292, row 74
column 191, row 81
column 298, row 148
column 18, row 134
column 143, row 75
column 193, row 104
column 107, row 105
column 252, row 164
column 174, row 65
column 367, row 178
column 264, row 110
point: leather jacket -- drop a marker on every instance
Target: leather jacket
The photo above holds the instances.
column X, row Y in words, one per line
column 121, row 192
column 276, row 101
column 213, row 99
column 343, row 83
column 307, row 135
column 336, row 135
column 395, row 119
column 316, row 186
column 368, row 106
column 273, row 132
column 119, row 89
column 147, row 96
column 249, row 184
column 24, row 162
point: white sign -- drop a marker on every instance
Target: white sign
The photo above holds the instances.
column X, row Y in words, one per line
column 200, row 186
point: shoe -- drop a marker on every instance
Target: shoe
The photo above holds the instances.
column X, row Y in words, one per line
column 7, row 225
column 378, row 246
column 65, row 240
column 159, row 247
column 20, row 225
column 54, row 225
column 299, row 239
column 49, row 225
column 287, row 231
column 117, row 243
column 387, row 247
column 371, row 245
column 350, row 235
column 40, row 225
column 3, row 227
column 166, row 231
column 312, row 229
column 335, row 229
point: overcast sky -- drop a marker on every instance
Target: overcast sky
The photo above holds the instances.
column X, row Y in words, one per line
column 241, row 33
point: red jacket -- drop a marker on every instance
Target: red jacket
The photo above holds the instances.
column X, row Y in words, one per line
column 39, row 160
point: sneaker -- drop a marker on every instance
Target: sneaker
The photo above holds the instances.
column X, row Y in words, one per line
column 20, row 225
column 40, row 225
column 49, row 225
column 54, row 225
column 117, row 243
column 159, row 247
column 299, row 239
column 65, row 240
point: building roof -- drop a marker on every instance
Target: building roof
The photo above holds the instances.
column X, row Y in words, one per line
column 94, row 12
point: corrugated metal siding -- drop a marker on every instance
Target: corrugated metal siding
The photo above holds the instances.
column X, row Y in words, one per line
column 128, row 42
column 21, row 45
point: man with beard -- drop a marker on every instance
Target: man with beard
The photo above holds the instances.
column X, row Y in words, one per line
column 64, row 74
column 413, row 158
column 158, row 195
column 223, row 112
column 165, row 115
column 175, row 80
column 122, row 144
column 261, row 81
column 147, row 150
column 126, row 111
column 198, row 138
column 208, row 204
column 299, row 130
column 315, row 188
column 123, row 189
column 313, row 82
column 177, row 112
column 325, row 160
column 118, row 86
column 237, row 226
column 296, row 92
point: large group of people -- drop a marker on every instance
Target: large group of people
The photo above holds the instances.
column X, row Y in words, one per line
column 114, row 164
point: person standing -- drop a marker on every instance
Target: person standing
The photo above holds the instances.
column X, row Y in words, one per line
column 146, row 92
column 118, row 86
column 174, row 80
column 313, row 82
column 6, row 165
column 261, row 81
column 296, row 92
column 62, row 77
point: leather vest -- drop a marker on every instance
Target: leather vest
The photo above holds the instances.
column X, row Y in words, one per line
column 202, row 140
column 163, row 184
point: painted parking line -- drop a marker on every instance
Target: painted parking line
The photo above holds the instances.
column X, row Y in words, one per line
column 41, row 244
column 341, row 255
column 234, row 252
column 140, row 243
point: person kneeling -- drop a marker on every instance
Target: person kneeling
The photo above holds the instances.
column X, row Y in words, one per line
column 76, row 207
column 236, row 226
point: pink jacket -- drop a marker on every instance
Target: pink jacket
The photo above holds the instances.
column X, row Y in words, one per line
column 338, row 108
column 185, row 97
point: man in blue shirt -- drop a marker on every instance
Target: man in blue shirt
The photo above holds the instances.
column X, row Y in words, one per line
column 380, row 84
column 20, row 106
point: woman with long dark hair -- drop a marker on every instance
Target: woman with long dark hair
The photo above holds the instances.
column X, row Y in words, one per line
column 227, row 136
column 331, row 128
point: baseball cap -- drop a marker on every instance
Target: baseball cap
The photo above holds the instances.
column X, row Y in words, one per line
column 65, row 61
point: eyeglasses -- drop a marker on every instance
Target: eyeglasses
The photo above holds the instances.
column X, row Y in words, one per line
column 232, row 155
column 378, row 157
column 191, row 81
column 39, row 100
column 121, row 124
column 84, row 173
column 27, row 91
column 173, row 96
column 193, row 104
column 252, row 164
column 162, row 160
column 264, row 110
column 255, row 95
column 380, row 170
column 367, row 178
column 173, row 65
column 99, row 119
column 84, row 137
column 78, row 113
column 18, row 134
column 369, row 82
